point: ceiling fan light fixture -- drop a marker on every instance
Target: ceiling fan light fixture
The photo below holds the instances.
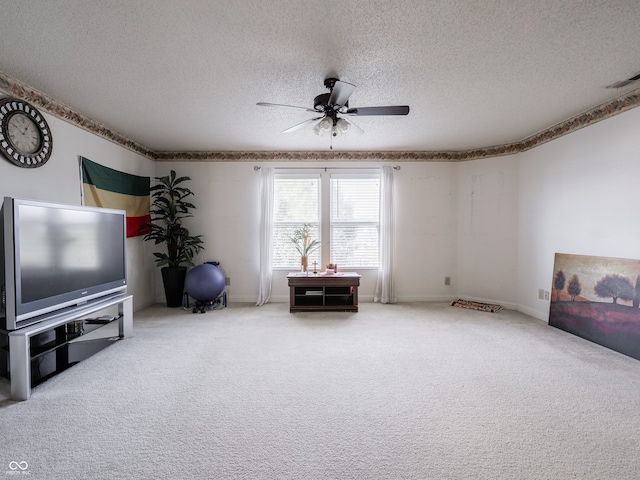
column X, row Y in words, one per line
column 342, row 126
column 323, row 126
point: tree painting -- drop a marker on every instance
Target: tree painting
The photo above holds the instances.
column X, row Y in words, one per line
column 614, row 286
column 598, row 299
column 559, row 282
column 574, row 289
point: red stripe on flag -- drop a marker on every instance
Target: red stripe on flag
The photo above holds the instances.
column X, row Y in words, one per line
column 137, row 226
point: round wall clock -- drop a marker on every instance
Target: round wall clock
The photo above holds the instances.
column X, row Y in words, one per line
column 25, row 138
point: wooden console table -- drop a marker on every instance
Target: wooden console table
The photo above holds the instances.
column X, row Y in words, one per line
column 316, row 293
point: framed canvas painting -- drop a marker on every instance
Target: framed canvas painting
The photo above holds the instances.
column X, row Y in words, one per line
column 598, row 298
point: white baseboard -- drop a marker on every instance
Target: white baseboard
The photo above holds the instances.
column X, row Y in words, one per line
column 533, row 313
column 543, row 316
column 433, row 298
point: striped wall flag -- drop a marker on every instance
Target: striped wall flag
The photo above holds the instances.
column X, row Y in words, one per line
column 109, row 188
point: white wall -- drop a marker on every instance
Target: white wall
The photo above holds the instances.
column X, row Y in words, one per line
column 58, row 181
column 227, row 214
column 488, row 230
column 492, row 225
column 426, row 205
column 578, row 195
column 226, row 200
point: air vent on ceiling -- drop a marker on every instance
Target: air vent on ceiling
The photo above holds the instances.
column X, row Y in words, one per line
column 624, row 83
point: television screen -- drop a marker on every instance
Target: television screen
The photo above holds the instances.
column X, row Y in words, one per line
column 59, row 255
column 63, row 250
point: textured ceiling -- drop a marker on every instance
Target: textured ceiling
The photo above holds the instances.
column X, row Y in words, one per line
column 185, row 75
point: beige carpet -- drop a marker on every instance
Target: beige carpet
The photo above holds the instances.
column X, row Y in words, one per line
column 413, row 391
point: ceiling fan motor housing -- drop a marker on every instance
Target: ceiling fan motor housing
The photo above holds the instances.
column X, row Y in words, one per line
column 321, row 102
column 330, row 82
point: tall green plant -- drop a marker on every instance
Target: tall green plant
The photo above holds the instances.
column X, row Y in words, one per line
column 168, row 209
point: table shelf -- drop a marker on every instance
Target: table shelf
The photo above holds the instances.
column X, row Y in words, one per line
column 324, row 292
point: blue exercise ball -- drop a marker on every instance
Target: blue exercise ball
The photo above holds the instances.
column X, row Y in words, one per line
column 204, row 282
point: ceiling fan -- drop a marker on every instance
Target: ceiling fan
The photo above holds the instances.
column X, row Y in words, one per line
column 331, row 107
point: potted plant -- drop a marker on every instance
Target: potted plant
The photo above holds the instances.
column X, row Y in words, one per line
column 303, row 244
column 168, row 209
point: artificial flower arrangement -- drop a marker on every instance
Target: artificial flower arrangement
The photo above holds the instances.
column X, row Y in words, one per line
column 302, row 241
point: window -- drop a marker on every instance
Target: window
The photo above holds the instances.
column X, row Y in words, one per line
column 355, row 217
column 296, row 201
column 343, row 211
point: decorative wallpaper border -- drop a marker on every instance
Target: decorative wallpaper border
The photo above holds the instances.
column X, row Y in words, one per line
column 17, row 89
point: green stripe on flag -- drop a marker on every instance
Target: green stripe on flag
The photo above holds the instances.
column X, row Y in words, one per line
column 106, row 178
column 108, row 188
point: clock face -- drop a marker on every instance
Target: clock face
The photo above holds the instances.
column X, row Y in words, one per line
column 23, row 133
column 25, row 138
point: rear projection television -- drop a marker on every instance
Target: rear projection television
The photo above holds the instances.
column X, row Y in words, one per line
column 57, row 256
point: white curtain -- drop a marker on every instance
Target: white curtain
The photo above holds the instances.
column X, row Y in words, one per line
column 266, row 231
column 385, row 289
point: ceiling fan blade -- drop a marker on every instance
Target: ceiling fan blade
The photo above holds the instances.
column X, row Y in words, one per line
column 394, row 110
column 301, row 125
column 626, row 82
column 265, row 104
column 341, row 93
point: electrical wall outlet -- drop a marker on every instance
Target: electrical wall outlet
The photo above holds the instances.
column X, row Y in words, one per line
column 447, row 280
column 227, row 280
column 546, row 294
column 541, row 294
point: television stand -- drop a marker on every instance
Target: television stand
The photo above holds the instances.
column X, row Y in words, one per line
column 61, row 349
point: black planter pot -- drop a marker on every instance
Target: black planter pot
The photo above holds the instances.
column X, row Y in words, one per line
column 173, row 280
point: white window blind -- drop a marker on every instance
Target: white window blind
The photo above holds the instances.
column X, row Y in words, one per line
column 296, row 201
column 355, row 220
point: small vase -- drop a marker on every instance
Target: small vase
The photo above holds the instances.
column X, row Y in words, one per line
column 304, row 261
